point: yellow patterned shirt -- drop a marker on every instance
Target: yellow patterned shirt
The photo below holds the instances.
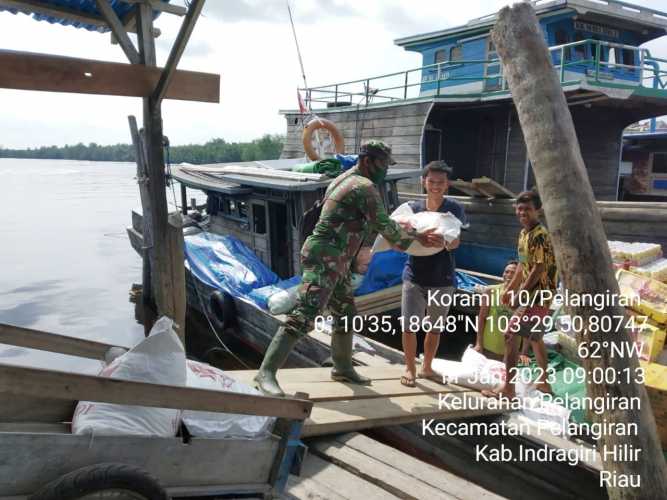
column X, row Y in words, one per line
column 535, row 248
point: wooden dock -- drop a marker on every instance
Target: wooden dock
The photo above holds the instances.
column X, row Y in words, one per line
column 352, row 466
column 340, row 407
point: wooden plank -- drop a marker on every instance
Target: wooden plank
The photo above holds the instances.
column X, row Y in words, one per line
column 35, row 382
column 325, row 477
column 309, row 375
column 52, row 342
column 418, row 470
column 339, row 391
column 375, row 471
column 20, row 408
column 490, row 186
column 51, row 73
column 467, row 187
column 344, row 416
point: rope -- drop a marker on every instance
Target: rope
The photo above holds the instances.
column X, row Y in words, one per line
column 210, row 324
column 298, row 50
column 170, row 180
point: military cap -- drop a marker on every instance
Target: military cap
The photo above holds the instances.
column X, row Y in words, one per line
column 378, row 149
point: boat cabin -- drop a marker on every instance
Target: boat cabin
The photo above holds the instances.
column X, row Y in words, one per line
column 644, row 166
column 265, row 209
column 457, row 107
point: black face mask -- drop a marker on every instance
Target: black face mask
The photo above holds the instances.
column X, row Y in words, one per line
column 379, row 171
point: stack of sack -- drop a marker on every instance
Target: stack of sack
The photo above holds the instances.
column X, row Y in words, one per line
column 160, row 359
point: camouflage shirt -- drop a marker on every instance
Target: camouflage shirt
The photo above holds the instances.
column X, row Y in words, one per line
column 352, row 209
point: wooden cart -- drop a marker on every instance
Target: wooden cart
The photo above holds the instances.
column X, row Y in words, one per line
column 39, row 456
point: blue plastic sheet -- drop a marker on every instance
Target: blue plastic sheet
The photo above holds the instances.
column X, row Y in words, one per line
column 225, row 263
column 260, row 296
column 386, row 269
column 347, row 161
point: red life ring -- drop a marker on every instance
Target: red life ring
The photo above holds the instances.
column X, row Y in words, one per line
column 309, row 130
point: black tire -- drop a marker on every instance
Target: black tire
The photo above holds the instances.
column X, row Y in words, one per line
column 223, row 310
column 130, row 483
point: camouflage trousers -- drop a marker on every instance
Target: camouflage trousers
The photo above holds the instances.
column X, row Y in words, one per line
column 322, row 290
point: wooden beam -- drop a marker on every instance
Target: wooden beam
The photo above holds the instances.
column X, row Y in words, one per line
column 144, row 33
column 177, row 10
column 50, row 73
column 118, row 30
column 35, row 382
column 52, row 342
column 177, row 49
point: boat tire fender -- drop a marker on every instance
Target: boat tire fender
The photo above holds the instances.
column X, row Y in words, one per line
column 223, row 310
column 309, row 130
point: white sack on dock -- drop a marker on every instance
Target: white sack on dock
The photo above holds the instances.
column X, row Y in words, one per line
column 474, row 370
column 158, row 359
column 222, row 425
column 445, row 224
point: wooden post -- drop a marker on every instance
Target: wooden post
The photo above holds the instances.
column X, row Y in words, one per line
column 142, row 180
column 168, row 270
column 580, row 243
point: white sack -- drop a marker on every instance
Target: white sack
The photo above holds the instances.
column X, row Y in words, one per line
column 474, row 370
column 445, row 224
column 158, row 359
column 222, row 425
column 283, row 301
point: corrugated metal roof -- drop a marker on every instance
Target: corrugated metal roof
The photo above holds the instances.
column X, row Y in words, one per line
column 82, row 7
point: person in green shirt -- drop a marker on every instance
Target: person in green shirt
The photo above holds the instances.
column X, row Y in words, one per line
column 491, row 310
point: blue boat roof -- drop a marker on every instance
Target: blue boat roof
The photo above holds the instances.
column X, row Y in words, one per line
column 643, row 16
column 74, row 7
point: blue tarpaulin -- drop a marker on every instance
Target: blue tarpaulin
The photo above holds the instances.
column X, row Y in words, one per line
column 225, row 263
column 386, row 269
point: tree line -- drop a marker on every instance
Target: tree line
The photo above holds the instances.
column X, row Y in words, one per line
column 268, row 147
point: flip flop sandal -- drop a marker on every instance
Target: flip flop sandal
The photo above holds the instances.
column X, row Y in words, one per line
column 408, row 381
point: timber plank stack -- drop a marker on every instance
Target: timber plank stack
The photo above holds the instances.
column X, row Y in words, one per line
column 374, row 470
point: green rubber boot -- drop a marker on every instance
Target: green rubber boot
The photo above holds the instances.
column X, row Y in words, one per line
column 275, row 356
column 341, row 354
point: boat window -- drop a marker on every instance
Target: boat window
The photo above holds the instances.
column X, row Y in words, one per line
column 628, row 57
column 259, row 219
column 243, row 209
column 579, row 50
column 561, row 37
column 440, row 56
column 660, row 163
column 456, row 53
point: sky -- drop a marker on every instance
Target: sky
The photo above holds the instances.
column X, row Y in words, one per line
column 250, row 44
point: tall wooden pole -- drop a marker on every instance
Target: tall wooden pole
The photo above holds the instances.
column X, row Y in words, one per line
column 579, row 241
column 168, row 272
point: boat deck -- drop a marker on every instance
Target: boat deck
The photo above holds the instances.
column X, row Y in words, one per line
column 340, row 407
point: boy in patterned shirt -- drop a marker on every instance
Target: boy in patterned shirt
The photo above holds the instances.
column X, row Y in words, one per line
column 536, row 274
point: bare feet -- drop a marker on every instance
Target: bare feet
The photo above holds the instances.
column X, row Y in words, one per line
column 506, row 392
column 430, row 374
column 524, row 360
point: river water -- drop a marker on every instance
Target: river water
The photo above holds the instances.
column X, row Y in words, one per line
column 66, row 265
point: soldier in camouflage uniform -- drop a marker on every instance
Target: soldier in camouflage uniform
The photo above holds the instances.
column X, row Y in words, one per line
column 352, row 209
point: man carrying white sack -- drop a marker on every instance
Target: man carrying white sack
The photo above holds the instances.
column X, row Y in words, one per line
column 433, row 273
